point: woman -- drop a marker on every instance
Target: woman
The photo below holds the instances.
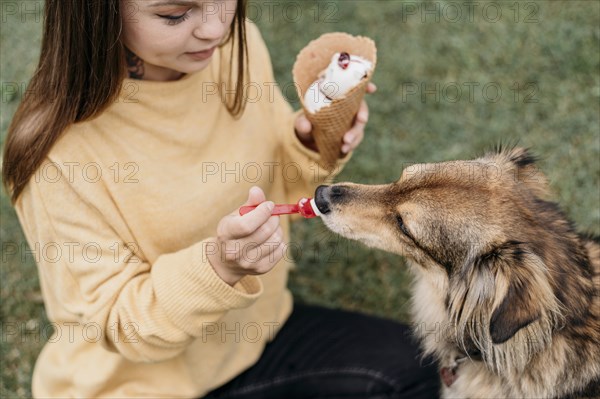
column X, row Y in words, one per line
column 126, row 162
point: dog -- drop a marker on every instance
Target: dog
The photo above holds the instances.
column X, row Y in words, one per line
column 506, row 294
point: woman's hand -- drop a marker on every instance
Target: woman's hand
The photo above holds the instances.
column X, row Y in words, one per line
column 248, row 245
column 352, row 138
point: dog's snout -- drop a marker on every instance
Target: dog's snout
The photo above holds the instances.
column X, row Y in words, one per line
column 327, row 195
column 337, row 191
column 322, row 199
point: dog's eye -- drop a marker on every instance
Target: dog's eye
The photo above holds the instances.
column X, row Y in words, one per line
column 402, row 226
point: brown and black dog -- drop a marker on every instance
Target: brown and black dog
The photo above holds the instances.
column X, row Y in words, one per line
column 506, row 293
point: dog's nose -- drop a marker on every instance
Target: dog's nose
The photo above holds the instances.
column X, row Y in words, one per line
column 337, row 192
column 322, row 199
column 327, row 195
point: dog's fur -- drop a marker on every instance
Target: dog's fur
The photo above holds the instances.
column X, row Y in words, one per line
column 506, row 294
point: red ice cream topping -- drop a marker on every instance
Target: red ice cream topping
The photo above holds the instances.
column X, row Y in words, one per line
column 344, row 60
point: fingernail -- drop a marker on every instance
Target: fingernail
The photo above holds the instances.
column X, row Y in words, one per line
column 345, row 149
column 363, row 116
column 270, row 205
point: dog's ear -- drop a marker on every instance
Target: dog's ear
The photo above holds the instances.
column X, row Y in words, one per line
column 520, row 279
column 516, row 311
column 519, row 164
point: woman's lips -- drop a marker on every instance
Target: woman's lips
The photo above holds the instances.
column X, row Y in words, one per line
column 202, row 55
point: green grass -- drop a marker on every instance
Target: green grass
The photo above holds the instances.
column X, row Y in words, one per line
column 551, row 52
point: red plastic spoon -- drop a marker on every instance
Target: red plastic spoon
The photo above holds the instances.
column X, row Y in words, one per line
column 305, row 207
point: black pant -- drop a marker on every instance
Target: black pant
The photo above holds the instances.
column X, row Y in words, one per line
column 326, row 353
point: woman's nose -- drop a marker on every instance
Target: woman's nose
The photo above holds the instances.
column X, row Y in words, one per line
column 214, row 22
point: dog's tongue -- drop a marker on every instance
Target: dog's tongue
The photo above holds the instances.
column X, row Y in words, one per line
column 305, row 207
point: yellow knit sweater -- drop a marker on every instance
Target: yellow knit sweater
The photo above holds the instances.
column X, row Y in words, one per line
column 118, row 215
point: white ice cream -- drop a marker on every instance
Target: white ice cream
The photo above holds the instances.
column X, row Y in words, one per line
column 341, row 76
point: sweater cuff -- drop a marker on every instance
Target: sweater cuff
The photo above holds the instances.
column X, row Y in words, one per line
column 189, row 289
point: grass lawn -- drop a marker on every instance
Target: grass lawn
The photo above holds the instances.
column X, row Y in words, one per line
column 454, row 79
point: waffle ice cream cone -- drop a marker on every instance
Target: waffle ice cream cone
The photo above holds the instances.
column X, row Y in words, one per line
column 331, row 122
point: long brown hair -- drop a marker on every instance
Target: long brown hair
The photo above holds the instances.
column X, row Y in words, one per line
column 77, row 77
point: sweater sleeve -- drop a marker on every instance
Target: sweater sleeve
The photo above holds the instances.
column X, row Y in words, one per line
column 305, row 160
column 147, row 312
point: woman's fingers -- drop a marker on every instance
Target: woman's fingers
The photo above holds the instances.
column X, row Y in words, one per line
column 355, row 135
column 371, row 88
column 237, row 227
column 263, row 256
